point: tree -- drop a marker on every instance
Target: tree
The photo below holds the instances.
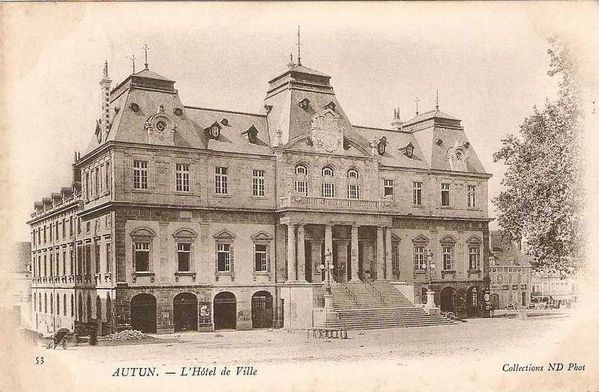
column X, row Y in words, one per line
column 542, row 202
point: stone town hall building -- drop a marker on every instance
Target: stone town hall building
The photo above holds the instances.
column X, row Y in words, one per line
column 187, row 218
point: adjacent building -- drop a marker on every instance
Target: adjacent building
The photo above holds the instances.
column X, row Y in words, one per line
column 510, row 271
column 188, row 218
column 553, row 289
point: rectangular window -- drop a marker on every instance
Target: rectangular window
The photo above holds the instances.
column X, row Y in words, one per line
column 87, row 258
column 258, row 182
column 140, row 174
column 51, row 231
column 142, row 257
column 183, row 257
column 45, row 230
column 51, row 264
column 388, row 188
column 97, row 256
column 447, row 258
column 64, row 228
column 96, row 182
column 395, row 258
column 71, row 261
column 471, row 196
column 87, row 189
column 260, row 258
column 64, row 262
column 71, row 226
column 220, row 180
column 301, row 187
column 108, row 257
column 353, row 191
column 474, row 257
column 419, row 258
column 56, row 230
column 101, row 179
column 107, row 175
column 328, row 189
column 224, row 260
column 417, row 193
column 182, row 177
column 445, row 194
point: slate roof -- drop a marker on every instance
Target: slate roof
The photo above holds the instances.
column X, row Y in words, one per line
column 506, row 252
column 429, row 115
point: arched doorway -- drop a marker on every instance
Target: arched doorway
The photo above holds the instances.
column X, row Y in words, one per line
column 143, row 313
column 225, row 311
column 448, row 299
column 185, row 307
column 495, row 301
column 262, row 310
column 472, row 301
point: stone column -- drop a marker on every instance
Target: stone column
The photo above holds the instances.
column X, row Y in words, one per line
column 301, row 254
column 388, row 254
column 315, row 249
column 328, row 247
column 354, row 254
column 380, row 254
column 291, row 276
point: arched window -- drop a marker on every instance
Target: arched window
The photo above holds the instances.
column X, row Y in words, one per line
column 328, row 186
column 301, row 180
column 353, row 188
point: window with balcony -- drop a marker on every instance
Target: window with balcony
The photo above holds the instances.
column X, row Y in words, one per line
column 181, row 177
column 258, row 182
column 301, row 180
column 328, row 186
column 471, row 196
column 388, row 188
column 417, row 193
column 445, row 195
column 97, row 256
column 353, row 187
column 140, row 174
column 220, row 181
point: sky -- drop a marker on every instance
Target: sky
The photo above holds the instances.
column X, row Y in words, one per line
column 488, row 61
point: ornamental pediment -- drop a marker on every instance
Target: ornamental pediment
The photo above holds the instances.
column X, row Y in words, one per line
column 160, row 128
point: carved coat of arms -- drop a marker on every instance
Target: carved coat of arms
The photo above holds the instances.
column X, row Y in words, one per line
column 326, row 133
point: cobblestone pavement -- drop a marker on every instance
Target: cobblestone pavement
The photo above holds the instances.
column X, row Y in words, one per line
column 474, row 336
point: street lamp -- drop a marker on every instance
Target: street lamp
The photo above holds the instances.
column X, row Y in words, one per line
column 328, row 266
column 430, row 294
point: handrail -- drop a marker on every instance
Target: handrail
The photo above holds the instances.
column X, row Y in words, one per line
column 351, row 294
column 376, row 291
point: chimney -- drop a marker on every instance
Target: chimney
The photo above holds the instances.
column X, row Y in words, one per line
column 105, row 92
column 397, row 123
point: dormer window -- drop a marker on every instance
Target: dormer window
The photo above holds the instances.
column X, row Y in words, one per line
column 382, row 145
column 225, row 122
column 213, row 131
column 301, row 170
column 331, row 105
column 252, row 133
column 304, row 103
column 409, row 150
column 352, row 174
column 327, row 172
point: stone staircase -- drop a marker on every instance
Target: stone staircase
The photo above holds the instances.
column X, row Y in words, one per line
column 377, row 304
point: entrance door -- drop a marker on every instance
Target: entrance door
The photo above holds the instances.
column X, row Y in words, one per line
column 472, row 301
column 448, row 299
column 185, row 307
column 495, row 301
column 225, row 311
column 523, row 299
column 262, row 310
column 143, row 313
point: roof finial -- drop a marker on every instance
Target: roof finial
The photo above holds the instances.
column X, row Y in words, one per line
column 416, row 105
column 291, row 64
column 132, row 58
column 437, row 106
column 146, row 55
column 299, row 46
column 106, row 69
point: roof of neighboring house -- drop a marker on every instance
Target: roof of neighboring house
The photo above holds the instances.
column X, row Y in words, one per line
column 506, row 251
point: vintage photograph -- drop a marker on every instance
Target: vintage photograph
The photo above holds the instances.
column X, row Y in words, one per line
column 299, row 196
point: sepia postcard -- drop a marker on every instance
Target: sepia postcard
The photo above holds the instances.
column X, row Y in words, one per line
column 299, row 196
